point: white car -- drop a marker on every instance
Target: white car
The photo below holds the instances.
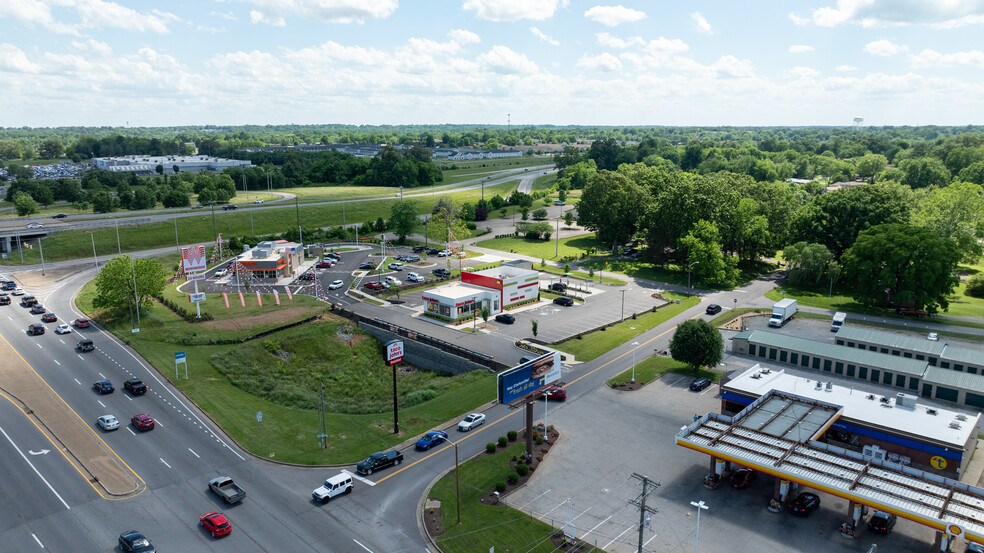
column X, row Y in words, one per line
column 335, row 285
column 933, row 337
column 444, row 253
column 35, row 225
column 221, row 273
column 63, row 329
column 414, row 277
column 471, row 421
column 108, row 422
column 394, row 280
column 257, row 201
column 18, row 292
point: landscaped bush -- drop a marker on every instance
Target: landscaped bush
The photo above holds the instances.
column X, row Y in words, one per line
column 539, row 439
column 522, row 469
column 419, row 396
column 490, row 447
column 512, row 435
column 512, row 477
column 502, row 441
column 500, row 487
column 975, row 286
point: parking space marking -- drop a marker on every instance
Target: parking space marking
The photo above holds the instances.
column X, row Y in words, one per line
column 709, row 388
column 596, row 526
column 77, row 381
column 101, row 403
column 617, row 537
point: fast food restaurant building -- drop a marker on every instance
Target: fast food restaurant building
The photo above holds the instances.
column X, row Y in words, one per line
column 498, row 289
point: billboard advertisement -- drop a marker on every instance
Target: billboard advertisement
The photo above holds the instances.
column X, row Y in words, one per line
column 394, row 351
column 525, row 380
column 193, row 259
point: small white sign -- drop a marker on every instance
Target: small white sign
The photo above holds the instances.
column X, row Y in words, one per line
column 196, row 298
column 198, row 276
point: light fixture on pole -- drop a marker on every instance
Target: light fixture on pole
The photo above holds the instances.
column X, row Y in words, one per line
column 622, row 316
column 94, row 258
column 457, row 489
column 700, row 507
column 636, row 344
column 688, row 275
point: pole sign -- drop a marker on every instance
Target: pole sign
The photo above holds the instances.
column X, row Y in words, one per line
column 193, row 277
column 394, row 351
column 196, row 297
column 524, row 381
column 179, row 357
column 193, row 259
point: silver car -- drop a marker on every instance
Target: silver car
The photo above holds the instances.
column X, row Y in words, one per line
column 471, row 421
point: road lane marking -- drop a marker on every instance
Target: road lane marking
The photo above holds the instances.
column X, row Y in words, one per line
column 596, row 526
column 38, row 344
column 56, row 362
column 36, row 471
column 99, row 401
column 362, row 546
column 101, row 375
column 41, row 545
column 165, row 462
column 131, row 431
column 359, row 478
column 62, row 341
column 193, row 452
column 80, row 357
column 709, row 388
column 77, row 381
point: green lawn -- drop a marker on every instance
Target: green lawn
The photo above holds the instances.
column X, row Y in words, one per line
column 647, row 370
column 485, row 526
column 582, row 275
column 596, row 343
column 544, row 182
column 544, row 249
column 279, row 375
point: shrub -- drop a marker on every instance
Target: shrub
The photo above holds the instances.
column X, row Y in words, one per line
column 470, row 225
column 502, row 441
column 539, row 440
column 500, row 487
column 512, row 435
column 490, row 447
column 975, row 286
column 419, row 396
column 512, row 478
column 522, row 470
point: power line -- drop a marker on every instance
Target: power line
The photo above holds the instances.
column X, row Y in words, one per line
column 648, row 487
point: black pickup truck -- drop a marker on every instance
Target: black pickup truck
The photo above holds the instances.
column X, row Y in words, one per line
column 379, row 460
column 135, row 386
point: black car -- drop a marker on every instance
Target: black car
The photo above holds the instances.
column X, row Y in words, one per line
column 418, row 249
column 882, row 523
column 441, row 273
column 366, row 266
column 713, row 309
column 700, row 384
column 379, row 460
column 333, row 255
column 804, row 504
column 564, row 300
column 4, row 300
column 37, row 309
column 85, row 345
column 103, row 387
column 306, row 276
column 28, row 301
column 230, row 207
column 433, row 251
column 59, row 216
column 49, row 317
column 35, row 329
column 505, row 318
column 558, row 287
column 132, row 541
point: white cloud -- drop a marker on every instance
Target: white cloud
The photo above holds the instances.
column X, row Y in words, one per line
column 884, row 48
column 932, row 58
column 501, row 59
column 212, row 30
column 845, row 68
column 798, row 21
column 545, row 38
column 273, row 12
column 227, row 15
column 800, row 48
column 462, row 36
column 733, row 67
column 601, row 62
column 666, row 46
column 89, row 14
column 612, row 16
column 13, row 59
column 701, row 22
column 605, row 39
column 91, row 46
column 801, row 72
column 884, row 13
column 513, row 10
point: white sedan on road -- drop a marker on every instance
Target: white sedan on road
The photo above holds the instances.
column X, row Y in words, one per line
column 108, row 422
column 335, row 285
column 471, row 421
column 63, row 329
column 18, row 292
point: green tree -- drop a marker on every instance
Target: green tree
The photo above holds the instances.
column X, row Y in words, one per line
column 104, row 202
column 703, row 248
column 25, row 205
column 904, row 264
column 540, row 213
column 568, row 219
column 871, row 164
column 924, row 172
column 43, row 195
column 955, row 212
column 973, row 173
column 697, row 344
column 446, row 216
column 10, row 149
column 612, row 205
column 403, row 219
column 807, row 262
column 51, row 148
column 114, row 283
column 535, row 326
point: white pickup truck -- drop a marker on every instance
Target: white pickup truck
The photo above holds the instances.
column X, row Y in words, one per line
column 229, row 491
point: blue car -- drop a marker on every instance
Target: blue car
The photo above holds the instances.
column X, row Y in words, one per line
column 103, row 387
column 431, row 439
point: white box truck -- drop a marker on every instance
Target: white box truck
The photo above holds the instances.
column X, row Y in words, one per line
column 838, row 321
column 782, row 312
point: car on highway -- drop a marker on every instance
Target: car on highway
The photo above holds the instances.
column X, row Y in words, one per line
column 108, row 422
column 63, row 329
column 566, row 301
column 81, row 323
column 135, row 386
column 18, row 291
column 882, row 523
column 132, row 541
column 49, row 317
column 373, row 285
column 335, row 285
column 324, row 264
column 59, row 216
column 85, row 344
column 379, row 460
column 103, row 387
column 506, row 318
column 393, row 280
column 34, row 225
column 395, row 267
column 230, row 207
column 471, row 421
column 142, row 422
column 431, row 439
column 742, row 478
column 804, row 504
column 198, row 206
column 414, row 277
column 713, row 309
column 216, row 523
column 553, row 393
column 4, row 300
column 700, row 384
column 366, row 266
column 258, row 201
column 34, row 329
column 28, row 301
column 37, row 309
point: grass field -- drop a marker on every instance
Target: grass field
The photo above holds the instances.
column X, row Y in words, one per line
column 649, row 369
column 544, row 182
column 483, row 526
column 596, row 343
column 280, row 375
column 583, row 275
column 544, row 249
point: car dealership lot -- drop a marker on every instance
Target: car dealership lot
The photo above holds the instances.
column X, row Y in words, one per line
column 593, row 463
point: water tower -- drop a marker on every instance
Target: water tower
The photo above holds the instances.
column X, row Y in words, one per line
column 858, row 121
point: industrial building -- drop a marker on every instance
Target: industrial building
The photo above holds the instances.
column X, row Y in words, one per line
column 147, row 165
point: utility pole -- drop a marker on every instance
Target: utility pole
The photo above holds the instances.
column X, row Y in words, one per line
column 648, row 486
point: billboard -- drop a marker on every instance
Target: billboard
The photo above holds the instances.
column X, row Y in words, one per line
column 193, row 258
column 394, row 351
column 525, row 380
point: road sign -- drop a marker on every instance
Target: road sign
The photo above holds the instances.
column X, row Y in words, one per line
column 394, row 351
column 259, row 416
column 197, row 297
column 179, row 357
column 526, row 380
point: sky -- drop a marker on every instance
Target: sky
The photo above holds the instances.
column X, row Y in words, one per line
column 525, row 62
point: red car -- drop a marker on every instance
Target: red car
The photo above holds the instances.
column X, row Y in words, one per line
column 554, row 393
column 216, row 524
column 742, row 478
column 324, row 265
column 49, row 317
column 373, row 285
column 81, row 323
column 142, row 422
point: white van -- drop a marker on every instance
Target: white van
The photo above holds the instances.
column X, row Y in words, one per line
column 339, row 484
column 838, row 321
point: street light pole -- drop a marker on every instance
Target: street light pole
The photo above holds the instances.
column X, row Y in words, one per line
column 94, row 258
column 700, row 507
column 636, row 344
column 557, row 243
column 691, row 290
column 457, row 489
column 119, row 248
column 215, row 235
column 622, row 316
column 41, row 249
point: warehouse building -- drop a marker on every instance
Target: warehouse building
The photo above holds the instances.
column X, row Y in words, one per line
column 147, row 165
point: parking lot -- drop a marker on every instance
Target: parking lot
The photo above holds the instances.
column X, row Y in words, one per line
column 588, row 478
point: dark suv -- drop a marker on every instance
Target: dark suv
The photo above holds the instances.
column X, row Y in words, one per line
column 418, row 249
column 804, row 504
column 230, row 207
column 882, row 523
column 558, row 287
column 713, row 309
column 564, row 300
column 85, row 345
column 442, row 273
column 35, row 329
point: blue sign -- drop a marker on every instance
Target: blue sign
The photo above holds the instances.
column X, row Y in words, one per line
column 529, row 378
column 179, row 355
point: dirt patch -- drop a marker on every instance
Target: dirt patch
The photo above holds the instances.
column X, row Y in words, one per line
column 279, row 317
column 34, row 279
column 735, row 324
column 628, row 386
column 432, row 521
